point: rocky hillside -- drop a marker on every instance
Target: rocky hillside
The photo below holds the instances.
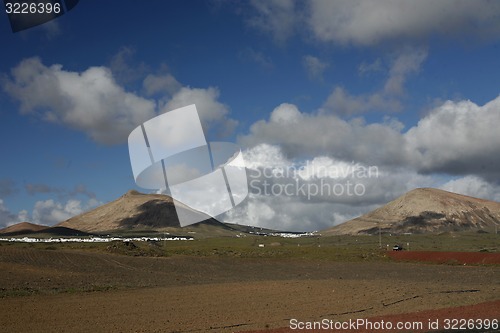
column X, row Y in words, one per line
column 425, row 210
column 133, row 210
column 23, row 227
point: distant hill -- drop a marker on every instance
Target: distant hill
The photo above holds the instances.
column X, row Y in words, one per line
column 425, row 210
column 58, row 231
column 23, row 227
column 138, row 211
column 36, row 230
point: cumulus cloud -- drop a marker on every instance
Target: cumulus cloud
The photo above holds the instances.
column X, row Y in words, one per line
column 50, row 212
column 289, row 214
column 458, row 138
column 94, row 103
column 365, row 22
column 306, row 135
column 294, row 150
column 333, row 179
column 314, row 67
column 473, row 186
column 315, row 193
column 213, row 114
column 23, row 216
column 90, row 101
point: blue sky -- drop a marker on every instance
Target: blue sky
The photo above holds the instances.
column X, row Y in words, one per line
column 410, row 87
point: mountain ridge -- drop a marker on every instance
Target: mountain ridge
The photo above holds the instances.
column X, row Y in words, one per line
column 424, row 210
column 22, row 227
column 134, row 210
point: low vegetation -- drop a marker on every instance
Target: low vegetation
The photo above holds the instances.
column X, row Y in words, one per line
column 337, row 248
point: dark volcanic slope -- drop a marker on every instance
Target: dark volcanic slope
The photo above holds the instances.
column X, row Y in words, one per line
column 132, row 210
column 425, row 210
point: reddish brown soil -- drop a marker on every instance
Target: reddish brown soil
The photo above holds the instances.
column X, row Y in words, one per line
column 467, row 258
column 76, row 291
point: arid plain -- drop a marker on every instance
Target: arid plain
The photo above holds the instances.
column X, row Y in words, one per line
column 224, row 285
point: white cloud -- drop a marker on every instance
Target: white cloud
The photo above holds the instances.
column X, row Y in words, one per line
column 473, row 186
column 213, row 114
column 332, row 179
column 285, row 214
column 324, row 134
column 23, row 216
column 315, row 193
column 286, row 114
column 365, row 22
column 50, row 212
column 90, row 101
column 458, row 138
column 47, row 212
column 94, row 103
column 265, row 155
column 314, row 67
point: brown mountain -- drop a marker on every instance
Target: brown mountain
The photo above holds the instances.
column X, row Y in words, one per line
column 135, row 210
column 23, row 227
column 36, row 230
column 425, row 210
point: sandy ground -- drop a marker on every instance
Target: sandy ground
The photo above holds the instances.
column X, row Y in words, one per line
column 70, row 291
column 482, row 317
